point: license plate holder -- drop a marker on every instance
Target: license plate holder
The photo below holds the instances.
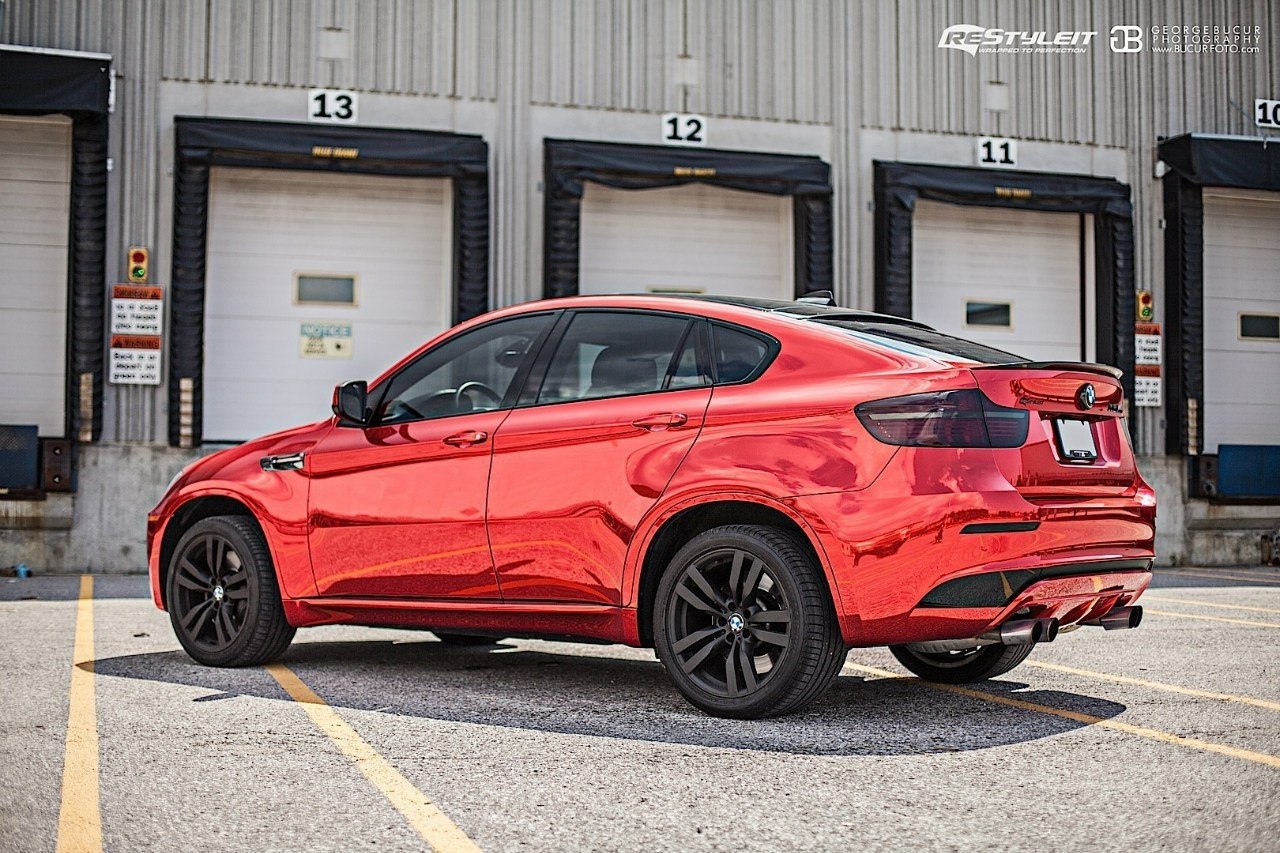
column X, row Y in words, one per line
column 1076, row 444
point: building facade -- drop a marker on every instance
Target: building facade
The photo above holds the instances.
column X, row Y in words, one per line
column 317, row 186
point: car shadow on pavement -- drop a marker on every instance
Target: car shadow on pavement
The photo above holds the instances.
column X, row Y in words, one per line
column 630, row 699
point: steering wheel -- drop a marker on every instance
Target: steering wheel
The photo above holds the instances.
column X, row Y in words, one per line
column 475, row 386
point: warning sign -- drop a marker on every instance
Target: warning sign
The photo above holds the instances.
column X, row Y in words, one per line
column 325, row 340
column 137, row 313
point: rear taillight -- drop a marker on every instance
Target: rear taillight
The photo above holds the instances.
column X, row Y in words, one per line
column 944, row 419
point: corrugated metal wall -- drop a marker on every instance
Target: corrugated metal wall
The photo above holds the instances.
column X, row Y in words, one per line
column 843, row 65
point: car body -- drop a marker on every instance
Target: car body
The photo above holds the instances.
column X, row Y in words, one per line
column 553, row 506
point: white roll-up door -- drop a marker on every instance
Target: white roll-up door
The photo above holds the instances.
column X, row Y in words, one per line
column 35, row 208
column 1008, row 278
column 1241, row 318
column 692, row 238
column 361, row 263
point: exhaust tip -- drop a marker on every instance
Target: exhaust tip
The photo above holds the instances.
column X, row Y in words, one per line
column 1049, row 631
column 1135, row 616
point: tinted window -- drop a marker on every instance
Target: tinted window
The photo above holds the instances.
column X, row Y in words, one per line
column 926, row 342
column 737, row 354
column 609, row 354
column 468, row 373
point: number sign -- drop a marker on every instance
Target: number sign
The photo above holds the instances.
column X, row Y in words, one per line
column 1266, row 113
column 684, row 129
column 332, row 106
column 997, row 152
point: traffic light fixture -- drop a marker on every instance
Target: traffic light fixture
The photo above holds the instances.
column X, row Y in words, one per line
column 139, row 264
column 1146, row 306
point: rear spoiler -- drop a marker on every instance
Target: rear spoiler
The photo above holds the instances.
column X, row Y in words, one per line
column 1081, row 366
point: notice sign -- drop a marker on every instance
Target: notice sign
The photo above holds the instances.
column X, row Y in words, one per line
column 1147, row 361
column 136, row 309
column 325, row 340
column 135, row 360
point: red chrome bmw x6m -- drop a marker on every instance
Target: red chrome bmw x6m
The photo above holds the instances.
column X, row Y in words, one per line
column 750, row 487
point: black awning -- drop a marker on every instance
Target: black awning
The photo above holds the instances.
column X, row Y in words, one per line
column 237, row 142
column 1224, row 161
column 624, row 166
column 37, row 83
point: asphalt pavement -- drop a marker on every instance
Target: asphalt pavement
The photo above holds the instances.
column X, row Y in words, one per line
column 1167, row 737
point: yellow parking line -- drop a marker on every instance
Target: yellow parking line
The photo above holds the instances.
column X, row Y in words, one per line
column 1157, row 685
column 435, row 828
column 1088, row 719
column 80, row 816
column 1220, row 576
column 1248, row 622
column 1195, row 603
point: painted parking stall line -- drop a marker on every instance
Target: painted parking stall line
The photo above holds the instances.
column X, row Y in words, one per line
column 435, row 828
column 1156, row 685
column 1087, row 719
column 1247, row 622
column 80, row 815
column 1201, row 603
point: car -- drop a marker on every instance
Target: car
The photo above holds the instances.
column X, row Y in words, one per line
column 750, row 487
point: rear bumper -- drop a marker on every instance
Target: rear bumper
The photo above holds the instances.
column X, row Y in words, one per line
column 1070, row 599
column 894, row 547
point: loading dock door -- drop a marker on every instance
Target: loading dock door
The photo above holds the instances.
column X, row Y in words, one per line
column 1241, row 315
column 35, row 204
column 373, row 253
column 1008, row 278
column 687, row 238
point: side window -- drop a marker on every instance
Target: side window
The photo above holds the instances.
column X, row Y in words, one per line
column 469, row 373
column 690, row 369
column 737, row 354
column 610, row 354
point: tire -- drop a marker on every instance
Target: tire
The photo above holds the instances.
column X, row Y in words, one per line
column 977, row 664
column 222, row 595
column 450, row 639
column 746, row 602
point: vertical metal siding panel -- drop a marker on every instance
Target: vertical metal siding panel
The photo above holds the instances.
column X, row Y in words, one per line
column 444, row 55
column 830, row 49
column 662, row 45
column 302, row 36
column 786, row 62
column 220, row 13
column 584, row 81
column 708, row 97
column 469, row 49
column 486, row 60
column 551, row 76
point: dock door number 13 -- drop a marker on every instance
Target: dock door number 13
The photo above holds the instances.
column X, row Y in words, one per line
column 332, row 106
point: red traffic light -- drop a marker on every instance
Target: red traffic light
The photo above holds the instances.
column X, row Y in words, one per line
column 138, row 256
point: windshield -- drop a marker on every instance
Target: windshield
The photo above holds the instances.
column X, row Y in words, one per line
column 921, row 341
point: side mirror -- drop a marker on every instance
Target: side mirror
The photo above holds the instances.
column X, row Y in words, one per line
column 351, row 403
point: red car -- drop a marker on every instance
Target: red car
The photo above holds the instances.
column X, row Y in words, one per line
column 750, row 487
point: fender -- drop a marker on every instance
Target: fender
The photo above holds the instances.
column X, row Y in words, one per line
column 286, row 538
column 665, row 509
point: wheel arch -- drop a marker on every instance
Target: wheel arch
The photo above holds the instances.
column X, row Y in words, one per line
column 681, row 525
column 182, row 520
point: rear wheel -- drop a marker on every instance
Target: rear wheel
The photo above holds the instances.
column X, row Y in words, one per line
column 964, row 666
column 222, row 595
column 451, row 639
column 744, row 625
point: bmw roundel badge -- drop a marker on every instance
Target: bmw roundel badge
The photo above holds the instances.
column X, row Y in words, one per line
column 1086, row 397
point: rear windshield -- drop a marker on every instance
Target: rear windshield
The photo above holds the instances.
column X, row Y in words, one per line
column 918, row 341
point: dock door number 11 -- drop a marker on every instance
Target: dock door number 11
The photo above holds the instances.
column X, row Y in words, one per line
column 997, row 152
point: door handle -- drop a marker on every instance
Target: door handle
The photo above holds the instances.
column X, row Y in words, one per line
column 285, row 462
column 467, row 438
column 661, row 421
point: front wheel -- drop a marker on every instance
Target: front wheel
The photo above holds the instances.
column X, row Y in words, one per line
column 744, row 625
column 964, row 666
column 222, row 595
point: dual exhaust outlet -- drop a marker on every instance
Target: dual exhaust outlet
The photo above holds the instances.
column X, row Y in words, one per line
column 1022, row 631
column 1019, row 632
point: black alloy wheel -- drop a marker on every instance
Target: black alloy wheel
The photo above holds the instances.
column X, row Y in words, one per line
column 744, row 625
column 222, row 595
